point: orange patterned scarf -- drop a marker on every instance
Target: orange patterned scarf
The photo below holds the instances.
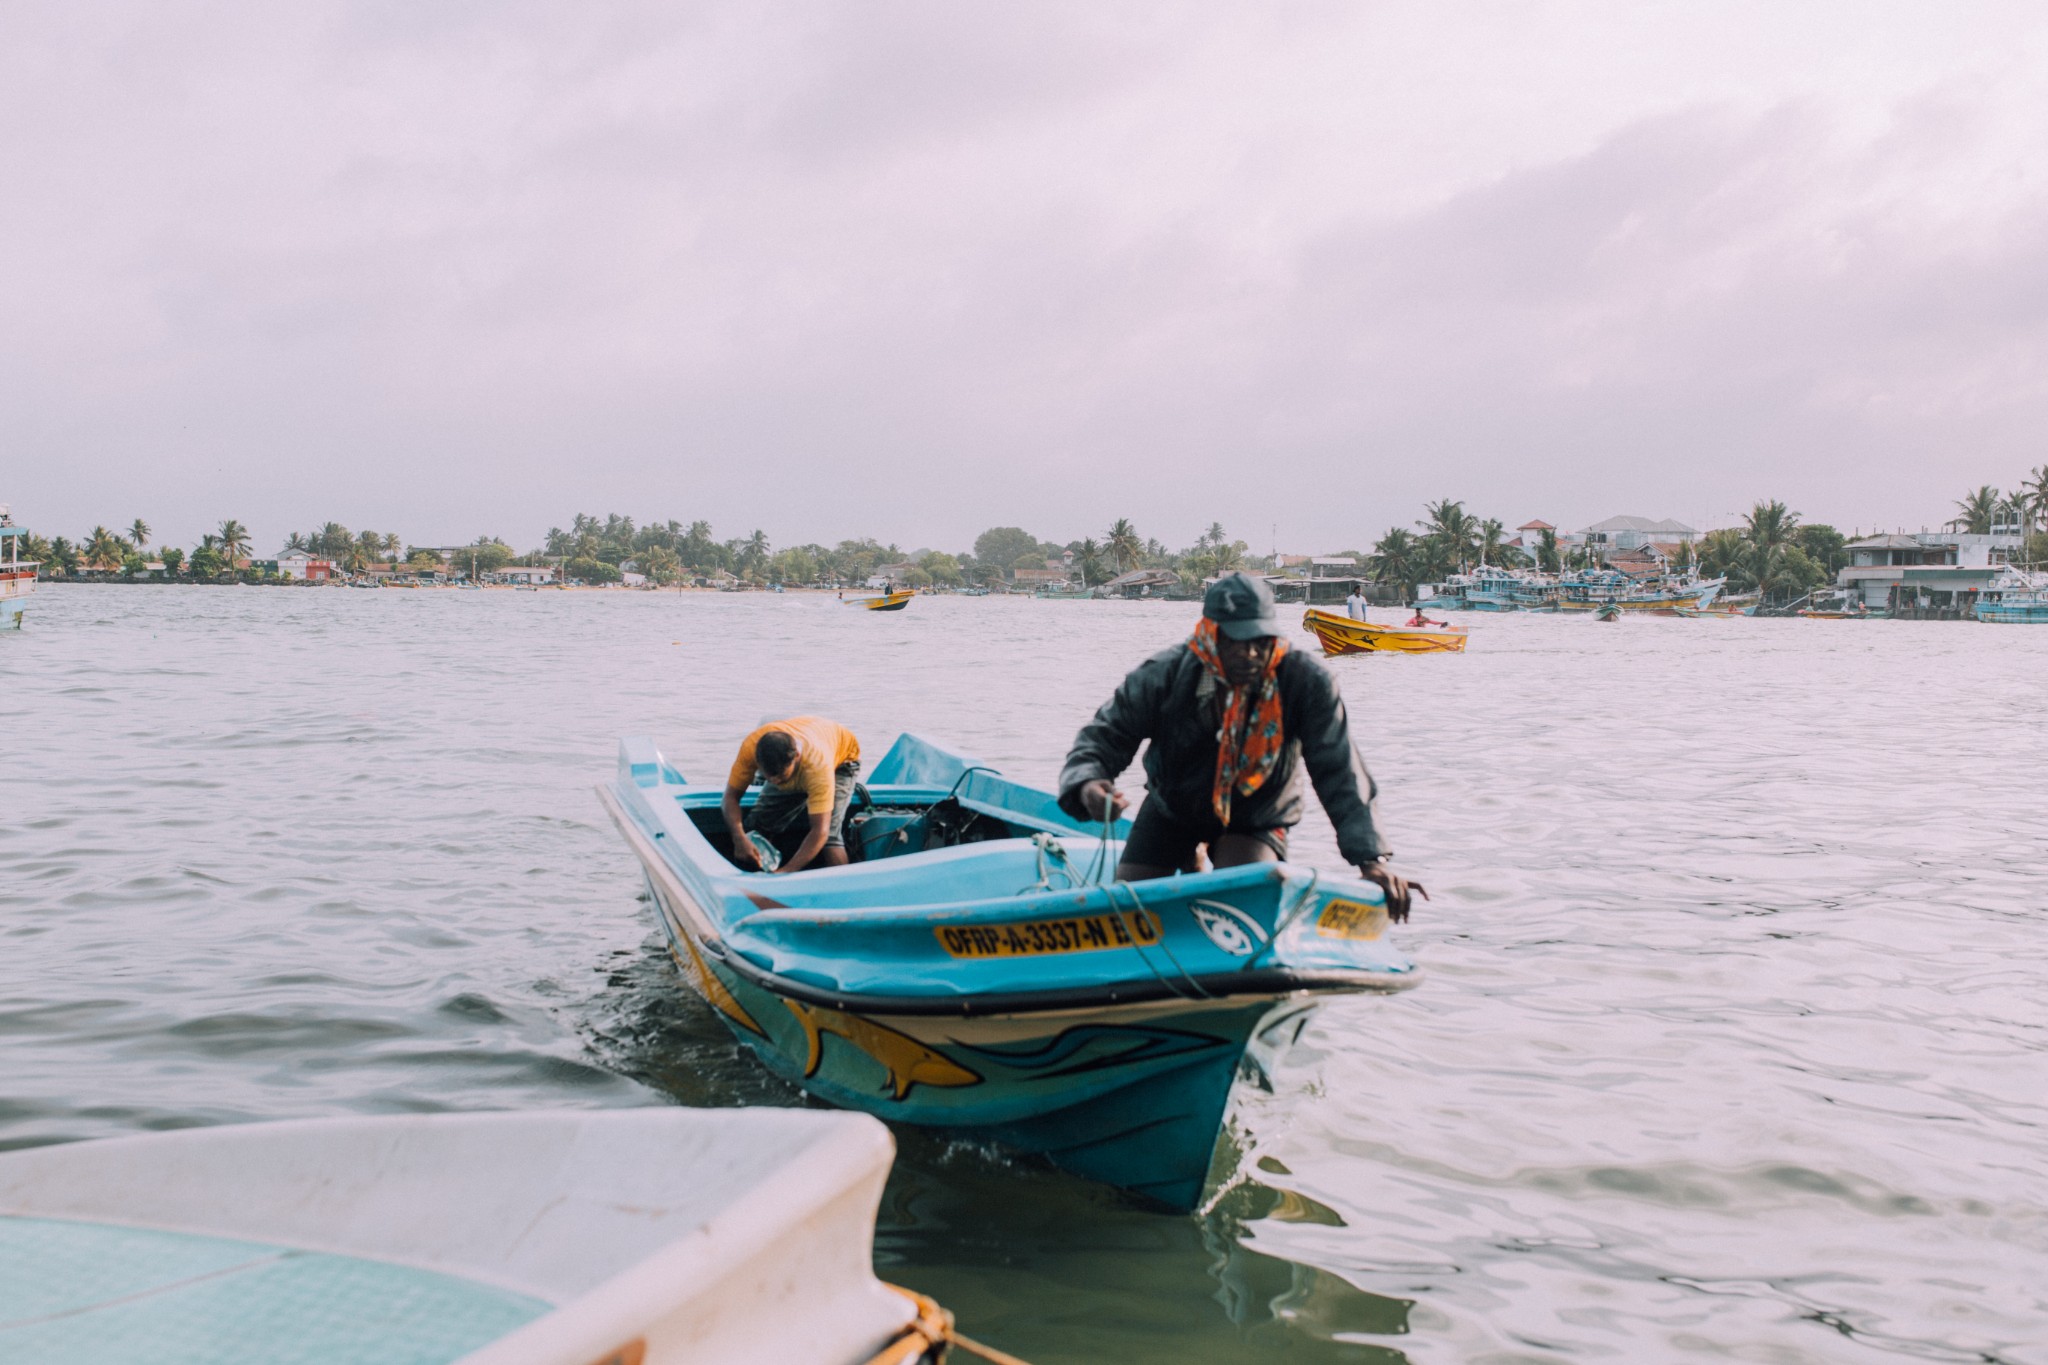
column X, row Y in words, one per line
column 1249, row 744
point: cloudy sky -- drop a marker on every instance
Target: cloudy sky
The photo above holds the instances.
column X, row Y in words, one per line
column 914, row 269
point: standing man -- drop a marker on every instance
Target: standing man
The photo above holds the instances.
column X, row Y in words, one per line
column 807, row 765
column 1233, row 716
column 1354, row 605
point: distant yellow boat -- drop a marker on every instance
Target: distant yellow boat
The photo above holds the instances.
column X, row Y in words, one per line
column 1342, row 635
column 890, row 601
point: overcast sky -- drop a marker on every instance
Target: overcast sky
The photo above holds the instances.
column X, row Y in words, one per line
column 912, row 270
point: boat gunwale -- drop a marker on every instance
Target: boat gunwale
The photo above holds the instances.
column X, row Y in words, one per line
column 1269, row 982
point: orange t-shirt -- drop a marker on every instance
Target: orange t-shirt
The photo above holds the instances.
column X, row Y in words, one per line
column 821, row 746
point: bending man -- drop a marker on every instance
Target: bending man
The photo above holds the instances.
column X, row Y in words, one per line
column 807, row 766
column 1233, row 716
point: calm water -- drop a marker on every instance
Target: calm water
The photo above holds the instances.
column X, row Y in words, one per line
column 1733, row 1044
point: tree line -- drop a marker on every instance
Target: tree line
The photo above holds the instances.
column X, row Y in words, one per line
column 1773, row 552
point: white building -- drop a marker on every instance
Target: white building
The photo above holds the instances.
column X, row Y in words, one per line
column 517, row 573
column 1633, row 533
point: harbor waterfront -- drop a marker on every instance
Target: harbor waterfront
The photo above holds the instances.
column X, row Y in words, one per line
column 1728, row 1047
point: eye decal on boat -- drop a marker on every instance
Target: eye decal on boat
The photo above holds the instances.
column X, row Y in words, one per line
column 1228, row 928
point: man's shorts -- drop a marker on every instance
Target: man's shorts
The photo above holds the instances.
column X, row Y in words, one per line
column 1161, row 839
column 785, row 817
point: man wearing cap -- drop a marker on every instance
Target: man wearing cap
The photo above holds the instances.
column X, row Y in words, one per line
column 1233, row 716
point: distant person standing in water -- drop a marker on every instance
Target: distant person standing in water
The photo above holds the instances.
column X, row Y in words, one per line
column 807, row 766
column 1233, row 716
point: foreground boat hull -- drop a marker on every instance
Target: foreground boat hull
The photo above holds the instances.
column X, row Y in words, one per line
column 1341, row 635
column 1132, row 1095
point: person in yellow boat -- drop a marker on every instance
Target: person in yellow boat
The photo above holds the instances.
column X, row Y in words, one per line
column 807, row 766
column 1229, row 720
column 1418, row 620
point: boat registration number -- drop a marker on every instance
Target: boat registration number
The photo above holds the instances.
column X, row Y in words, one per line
column 1037, row 937
column 1352, row 919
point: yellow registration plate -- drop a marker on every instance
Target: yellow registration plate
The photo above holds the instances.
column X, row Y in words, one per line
column 1352, row 919
column 1036, row 937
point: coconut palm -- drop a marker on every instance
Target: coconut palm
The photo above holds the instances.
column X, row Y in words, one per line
column 1976, row 512
column 1769, row 525
column 1452, row 530
column 1396, row 560
column 103, row 550
column 2033, row 496
column 138, row 531
column 391, row 545
column 1124, row 544
column 234, row 541
column 1492, row 538
column 1722, row 553
column 331, row 540
column 1547, row 556
column 63, row 555
column 296, row 541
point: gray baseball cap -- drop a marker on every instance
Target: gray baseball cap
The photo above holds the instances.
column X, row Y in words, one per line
column 1241, row 606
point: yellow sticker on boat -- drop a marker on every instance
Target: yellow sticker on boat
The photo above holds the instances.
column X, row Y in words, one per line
column 1037, row 937
column 1352, row 919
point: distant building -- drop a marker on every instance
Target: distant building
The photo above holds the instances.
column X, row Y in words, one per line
column 1933, row 574
column 297, row 564
column 1632, row 533
column 521, row 573
column 1039, row 578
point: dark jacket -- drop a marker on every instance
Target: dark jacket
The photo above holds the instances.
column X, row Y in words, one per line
column 1170, row 699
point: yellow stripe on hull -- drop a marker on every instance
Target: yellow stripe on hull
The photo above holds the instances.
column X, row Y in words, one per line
column 1342, row 635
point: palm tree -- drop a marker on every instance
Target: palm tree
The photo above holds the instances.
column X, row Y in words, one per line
column 755, row 549
column 1396, row 560
column 2033, row 491
column 1547, row 557
column 296, row 541
column 234, row 541
column 1088, row 559
column 331, row 540
column 1770, row 524
column 369, row 547
column 1721, row 553
column 1124, row 544
column 391, row 545
column 1492, row 540
column 1976, row 512
column 138, row 531
column 1453, row 530
column 103, row 550
column 64, row 555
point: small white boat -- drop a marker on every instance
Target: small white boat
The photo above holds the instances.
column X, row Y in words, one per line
column 611, row 1237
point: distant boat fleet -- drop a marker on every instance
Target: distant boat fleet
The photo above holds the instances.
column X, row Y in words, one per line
column 1492, row 588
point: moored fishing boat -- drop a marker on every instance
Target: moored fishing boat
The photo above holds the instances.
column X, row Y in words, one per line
column 1342, row 635
column 17, row 575
column 1591, row 589
column 2017, row 597
column 621, row 1237
column 888, row 601
column 975, row 969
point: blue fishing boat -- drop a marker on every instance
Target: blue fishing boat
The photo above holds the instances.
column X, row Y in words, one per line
column 2015, row 598
column 977, row 968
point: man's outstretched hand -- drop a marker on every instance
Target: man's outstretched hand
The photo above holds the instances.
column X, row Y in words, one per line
column 1397, row 888
column 1100, row 795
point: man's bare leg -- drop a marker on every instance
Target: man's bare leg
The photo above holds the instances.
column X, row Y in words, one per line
column 1236, row 850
